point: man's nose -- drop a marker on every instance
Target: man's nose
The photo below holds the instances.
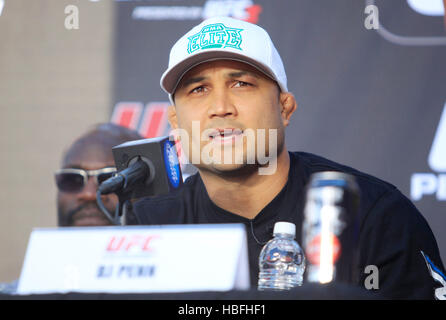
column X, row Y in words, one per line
column 88, row 192
column 221, row 105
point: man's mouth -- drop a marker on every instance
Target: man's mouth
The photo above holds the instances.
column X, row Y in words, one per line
column 89, row 215
column 225, row 135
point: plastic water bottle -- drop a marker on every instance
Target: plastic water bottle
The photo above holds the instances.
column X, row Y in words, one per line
column 281, row 261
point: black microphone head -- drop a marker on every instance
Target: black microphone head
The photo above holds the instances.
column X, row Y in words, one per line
column 161, row 157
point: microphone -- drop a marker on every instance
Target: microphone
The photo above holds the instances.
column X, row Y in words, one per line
column 127, row 178
column 146, row 167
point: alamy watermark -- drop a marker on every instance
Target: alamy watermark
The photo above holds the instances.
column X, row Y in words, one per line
column 372, row 19
column 2, row 4
column 372, row 280
column 72, row 18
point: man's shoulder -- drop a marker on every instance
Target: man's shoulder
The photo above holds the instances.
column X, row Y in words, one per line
column 374, row 192
column 393, row 232
column 313, row 163
column 166, row 208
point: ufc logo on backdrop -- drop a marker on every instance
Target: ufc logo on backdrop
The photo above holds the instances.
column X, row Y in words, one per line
column 149, row 120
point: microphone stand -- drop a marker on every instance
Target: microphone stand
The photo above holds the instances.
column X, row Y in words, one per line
column 123, row 186
column 121, row 209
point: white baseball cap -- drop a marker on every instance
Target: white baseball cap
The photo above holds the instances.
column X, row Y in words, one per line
column 223, row 38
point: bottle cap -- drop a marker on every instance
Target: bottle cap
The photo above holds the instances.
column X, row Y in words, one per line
column 285, row 227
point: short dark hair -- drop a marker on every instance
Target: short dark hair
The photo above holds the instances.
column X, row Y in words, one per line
column 106, row 135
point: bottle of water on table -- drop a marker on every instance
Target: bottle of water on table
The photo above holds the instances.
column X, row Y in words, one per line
column 281, row 261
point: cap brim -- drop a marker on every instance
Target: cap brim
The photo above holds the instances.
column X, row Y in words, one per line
column 172, row 77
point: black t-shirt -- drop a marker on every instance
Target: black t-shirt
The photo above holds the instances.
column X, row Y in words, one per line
column 393, row 234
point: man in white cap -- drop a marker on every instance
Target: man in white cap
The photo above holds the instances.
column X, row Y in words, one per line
column 230, row 106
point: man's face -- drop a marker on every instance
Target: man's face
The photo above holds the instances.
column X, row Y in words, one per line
column 228, row 99
column 80, row 208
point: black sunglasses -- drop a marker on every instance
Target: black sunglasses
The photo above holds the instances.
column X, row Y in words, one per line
column 74, row 180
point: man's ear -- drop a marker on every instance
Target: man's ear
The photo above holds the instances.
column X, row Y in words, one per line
column 288, row 106
column 172, row 117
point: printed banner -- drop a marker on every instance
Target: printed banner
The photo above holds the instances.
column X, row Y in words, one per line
column 369, row 78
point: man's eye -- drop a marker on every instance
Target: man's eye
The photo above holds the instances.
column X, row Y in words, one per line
column 198, row 89
column 241, row 84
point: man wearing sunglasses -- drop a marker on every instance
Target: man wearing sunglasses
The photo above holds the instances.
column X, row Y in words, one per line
column 88, row 162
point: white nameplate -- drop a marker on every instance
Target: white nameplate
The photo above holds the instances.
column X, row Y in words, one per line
column 171, row 258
